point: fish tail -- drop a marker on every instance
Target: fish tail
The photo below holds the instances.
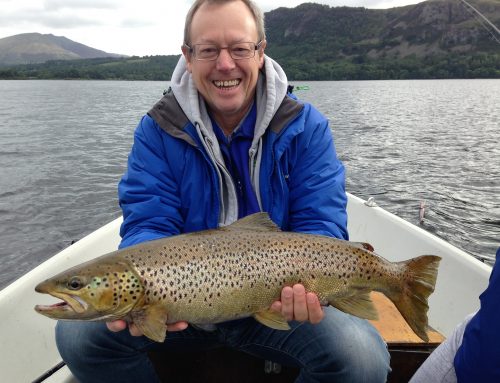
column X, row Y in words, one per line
column 418, row 281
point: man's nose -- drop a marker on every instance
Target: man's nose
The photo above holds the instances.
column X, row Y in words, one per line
column 225, row 61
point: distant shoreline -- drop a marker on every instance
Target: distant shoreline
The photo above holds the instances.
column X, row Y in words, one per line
column 160, row 68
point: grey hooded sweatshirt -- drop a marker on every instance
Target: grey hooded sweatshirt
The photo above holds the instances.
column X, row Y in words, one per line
column 271, row 90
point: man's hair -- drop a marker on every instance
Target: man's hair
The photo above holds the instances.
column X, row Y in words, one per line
column 256, row 12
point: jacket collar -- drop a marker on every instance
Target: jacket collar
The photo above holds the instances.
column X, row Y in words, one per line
column 170, row 117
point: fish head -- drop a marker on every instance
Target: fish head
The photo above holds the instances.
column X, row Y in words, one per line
column 96, row 290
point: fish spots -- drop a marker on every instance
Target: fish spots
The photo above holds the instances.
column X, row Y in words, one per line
column 215, row 271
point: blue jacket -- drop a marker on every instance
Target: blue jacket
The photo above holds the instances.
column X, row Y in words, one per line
column 478, row 358
column 171, row 186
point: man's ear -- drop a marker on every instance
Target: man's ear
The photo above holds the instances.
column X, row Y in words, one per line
column 187, row 56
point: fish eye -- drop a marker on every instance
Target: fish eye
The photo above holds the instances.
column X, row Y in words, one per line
column 74, row 283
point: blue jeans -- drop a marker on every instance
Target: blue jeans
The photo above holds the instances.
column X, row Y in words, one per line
column 342, row 348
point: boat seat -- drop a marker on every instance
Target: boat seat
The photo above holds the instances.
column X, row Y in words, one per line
column 407, row 350
column 224, row 365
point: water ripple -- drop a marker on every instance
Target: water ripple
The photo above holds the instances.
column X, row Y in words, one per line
column 401, row 141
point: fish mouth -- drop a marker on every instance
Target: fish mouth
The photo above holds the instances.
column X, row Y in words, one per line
column 71, row 304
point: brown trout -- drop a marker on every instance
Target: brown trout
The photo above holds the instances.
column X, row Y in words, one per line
column 234, row 272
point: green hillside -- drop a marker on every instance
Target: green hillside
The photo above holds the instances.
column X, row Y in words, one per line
column 432, row 39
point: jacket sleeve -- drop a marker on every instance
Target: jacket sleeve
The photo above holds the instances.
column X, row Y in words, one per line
column 317, row 181
column 478, row 359
column 148, row 192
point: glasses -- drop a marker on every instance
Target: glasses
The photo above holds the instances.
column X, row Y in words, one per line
column 237, row 51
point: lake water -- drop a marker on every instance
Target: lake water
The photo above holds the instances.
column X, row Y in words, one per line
column 64, row 145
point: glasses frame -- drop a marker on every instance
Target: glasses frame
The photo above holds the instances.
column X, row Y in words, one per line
column 257, row 46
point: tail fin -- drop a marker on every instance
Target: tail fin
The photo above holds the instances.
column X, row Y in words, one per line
column 419, row 278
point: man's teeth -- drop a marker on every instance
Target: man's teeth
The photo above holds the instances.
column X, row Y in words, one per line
column 228, row 83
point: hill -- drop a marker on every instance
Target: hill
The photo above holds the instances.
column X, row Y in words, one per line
column 432, row 39
column 31, row 48
column 446, row 37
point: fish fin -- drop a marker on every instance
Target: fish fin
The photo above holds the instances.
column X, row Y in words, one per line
column 254, row 222
column 363, row 246
column 151, row 320
column 273, row 319
column 419, row 280
column 358, row 304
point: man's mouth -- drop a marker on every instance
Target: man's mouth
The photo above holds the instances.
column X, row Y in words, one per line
column 226, row 84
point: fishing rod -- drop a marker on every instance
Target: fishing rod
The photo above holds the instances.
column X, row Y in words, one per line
column 484, row 20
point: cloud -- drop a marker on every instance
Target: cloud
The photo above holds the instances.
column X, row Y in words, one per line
column 57, row 14
column 56, row 21
column 56, row 5
column 136, row 23
column 49, row 20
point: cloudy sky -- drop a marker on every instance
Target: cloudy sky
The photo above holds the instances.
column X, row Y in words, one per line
column 131, row 27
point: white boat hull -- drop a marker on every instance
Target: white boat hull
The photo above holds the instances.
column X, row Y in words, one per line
column 27, row 339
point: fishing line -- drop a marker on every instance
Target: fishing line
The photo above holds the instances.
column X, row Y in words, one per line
column 483, row 20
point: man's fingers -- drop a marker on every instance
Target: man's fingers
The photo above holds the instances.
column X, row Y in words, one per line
column 117, row 325
column 177, row 326
column 314, row 308
column 276, row 306
column 287, row 303
column 120, row 325
column 134, row 330
column 300, row 312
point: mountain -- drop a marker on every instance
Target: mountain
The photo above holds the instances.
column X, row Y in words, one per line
column 313, row 41
column 30, row 48
column 426, row 28
column 431, row 39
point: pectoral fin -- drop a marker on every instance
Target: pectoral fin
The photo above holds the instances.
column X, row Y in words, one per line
column 358, row 304
column 151, row 320
column 273, row 319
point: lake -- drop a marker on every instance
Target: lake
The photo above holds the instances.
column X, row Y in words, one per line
column 64, row 146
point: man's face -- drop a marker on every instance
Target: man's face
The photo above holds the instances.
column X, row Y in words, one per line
column 227, row 85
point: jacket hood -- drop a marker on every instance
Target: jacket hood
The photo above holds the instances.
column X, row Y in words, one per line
column 270, row 91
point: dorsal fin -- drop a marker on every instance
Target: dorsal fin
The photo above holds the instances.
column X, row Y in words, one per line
column 253, row 222
column 363, row 246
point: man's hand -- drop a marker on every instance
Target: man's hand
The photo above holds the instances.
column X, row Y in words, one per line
column 298, row 305
column 119, row 325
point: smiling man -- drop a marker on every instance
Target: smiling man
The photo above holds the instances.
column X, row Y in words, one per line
column 225, row 62
column 227, row 141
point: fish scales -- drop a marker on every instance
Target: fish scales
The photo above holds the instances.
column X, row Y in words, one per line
column 209, row 272
column 238, row 271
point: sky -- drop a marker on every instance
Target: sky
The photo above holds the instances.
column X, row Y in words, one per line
column 129, row 27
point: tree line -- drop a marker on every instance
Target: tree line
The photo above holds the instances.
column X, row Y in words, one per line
column 359, row 67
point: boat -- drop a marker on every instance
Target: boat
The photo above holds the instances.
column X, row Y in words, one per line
column 29, row 353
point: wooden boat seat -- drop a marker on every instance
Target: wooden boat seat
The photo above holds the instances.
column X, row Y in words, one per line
column 224, row 365
column 407, row 350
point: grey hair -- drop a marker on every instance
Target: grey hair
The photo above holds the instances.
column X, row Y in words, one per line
column 256, row 12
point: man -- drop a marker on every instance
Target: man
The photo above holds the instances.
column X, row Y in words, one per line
column 224, row 143
column 470, row 354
